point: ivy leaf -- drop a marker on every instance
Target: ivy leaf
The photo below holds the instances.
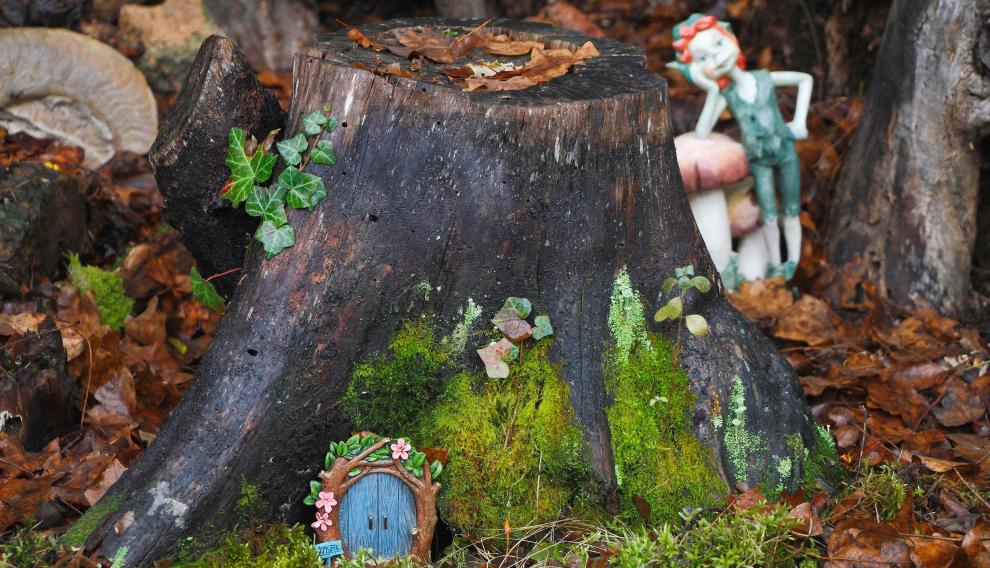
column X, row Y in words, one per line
column 702, row 284
column 671, row 311
column 436, row 468
column 275, row 239
column 292, row 149
column 542, row 328
column 511, row 319
column 328, row 461
column 494, row 355
column 204, row 291
column 313, row 122
column 314, row 488
column 323, row 154
column 309, row 500
column 245, row 170
column 267, row 203
column 696, row 325
column 669, row 284
column 354, row 472
column 302, row 190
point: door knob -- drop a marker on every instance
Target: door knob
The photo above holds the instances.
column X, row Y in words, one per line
column 371, row 523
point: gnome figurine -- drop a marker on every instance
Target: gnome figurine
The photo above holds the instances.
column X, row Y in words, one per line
column 709, row 57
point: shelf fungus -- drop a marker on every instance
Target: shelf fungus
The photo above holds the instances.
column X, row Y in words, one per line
column 64, row 85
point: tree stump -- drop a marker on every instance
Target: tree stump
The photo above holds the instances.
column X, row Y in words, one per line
column 546, row 193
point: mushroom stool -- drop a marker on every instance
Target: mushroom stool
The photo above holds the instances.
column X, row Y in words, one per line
column 744, row 219
column 707, row 166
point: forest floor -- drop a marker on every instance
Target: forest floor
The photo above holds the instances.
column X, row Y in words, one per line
column 904, row 394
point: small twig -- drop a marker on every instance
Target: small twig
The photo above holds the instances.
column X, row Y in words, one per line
column 483, row 24
column 8, row 462
column 89, row 379
column 224, row 273
column 973, row 489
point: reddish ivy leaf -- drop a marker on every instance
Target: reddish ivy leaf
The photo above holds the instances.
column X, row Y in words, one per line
column 511, row 319
column 494, row 356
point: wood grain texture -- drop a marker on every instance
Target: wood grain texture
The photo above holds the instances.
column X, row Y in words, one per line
column 906, row 201
column 544, row 193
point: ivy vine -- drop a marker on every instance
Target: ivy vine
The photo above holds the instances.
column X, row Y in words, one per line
column 251, row 166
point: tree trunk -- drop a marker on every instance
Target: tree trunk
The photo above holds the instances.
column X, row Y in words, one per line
column 907, row 198
column 188, row 156
column 544, row 193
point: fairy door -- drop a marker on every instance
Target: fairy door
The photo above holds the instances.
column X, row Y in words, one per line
column 378, row 513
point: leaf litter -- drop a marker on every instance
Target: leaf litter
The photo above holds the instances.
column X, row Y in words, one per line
column 462, row 57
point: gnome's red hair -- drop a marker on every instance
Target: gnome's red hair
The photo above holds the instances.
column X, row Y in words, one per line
column 688, row 32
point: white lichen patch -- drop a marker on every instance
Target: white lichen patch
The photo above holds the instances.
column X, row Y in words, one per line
column 626, row 318
column 167, row 505
column 457, row 340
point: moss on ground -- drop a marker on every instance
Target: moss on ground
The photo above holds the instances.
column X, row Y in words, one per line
column 515, row 454
column 275, row 546
column 107, row 289
column 79, row 532
column 657, row 455
column 388, row 393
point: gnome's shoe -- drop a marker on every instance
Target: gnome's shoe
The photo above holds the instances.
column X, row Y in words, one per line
column 785, row 269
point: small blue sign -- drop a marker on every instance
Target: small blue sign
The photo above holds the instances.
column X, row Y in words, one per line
column 328, row 550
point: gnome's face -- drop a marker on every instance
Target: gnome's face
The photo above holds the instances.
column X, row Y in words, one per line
column 713, row 53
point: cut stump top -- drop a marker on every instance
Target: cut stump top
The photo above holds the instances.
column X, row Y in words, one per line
column 618, row 69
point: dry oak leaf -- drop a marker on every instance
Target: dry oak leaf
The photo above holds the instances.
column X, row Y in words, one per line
column 960, row 404
column 110, row 476
column 19, row 324
column 809, row 320
column 512, row 48
column 809, row 524
column 149, row 327
column 863, row 543
column 762, row 299
column 932, row 553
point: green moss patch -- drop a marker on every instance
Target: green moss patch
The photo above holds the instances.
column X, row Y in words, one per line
column 657, row 455
column 77, row 534
column 107, row 289
column 276, row 546
column 388, row 393
column 515, row 454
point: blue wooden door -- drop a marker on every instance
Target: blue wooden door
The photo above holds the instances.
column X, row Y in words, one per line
column 378, row 513
column 397, row 511
column 359, row 515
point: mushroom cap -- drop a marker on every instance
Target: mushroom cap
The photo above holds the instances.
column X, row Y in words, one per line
column 51, row 75
column 709, row 163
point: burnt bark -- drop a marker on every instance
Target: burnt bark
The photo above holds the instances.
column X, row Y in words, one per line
column 222, row 91
column 544, row 193
column 906, row 200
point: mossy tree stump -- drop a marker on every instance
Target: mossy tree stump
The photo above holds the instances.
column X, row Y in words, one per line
column 546, row 193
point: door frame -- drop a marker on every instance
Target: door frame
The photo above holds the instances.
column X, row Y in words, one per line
column 339, row 478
